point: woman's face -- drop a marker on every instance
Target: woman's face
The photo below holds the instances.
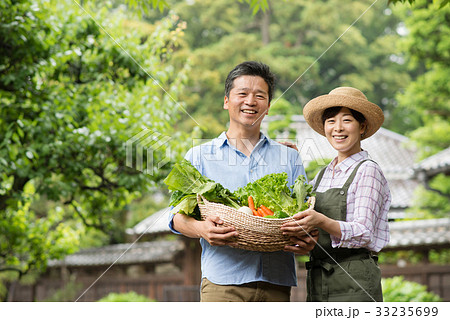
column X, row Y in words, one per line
column 343, row 132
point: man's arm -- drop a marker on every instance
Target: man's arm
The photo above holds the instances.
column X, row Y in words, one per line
column 210, row 229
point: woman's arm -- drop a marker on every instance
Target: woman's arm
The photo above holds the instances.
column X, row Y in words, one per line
column 366, row 224
column 368, row 202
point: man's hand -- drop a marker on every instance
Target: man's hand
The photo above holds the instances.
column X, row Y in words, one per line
column 304, row 244
column 213, row 231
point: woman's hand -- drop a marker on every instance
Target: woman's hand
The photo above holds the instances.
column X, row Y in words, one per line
column 303, row 223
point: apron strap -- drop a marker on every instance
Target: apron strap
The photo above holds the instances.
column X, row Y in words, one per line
column 352, row 176
column 319, row 178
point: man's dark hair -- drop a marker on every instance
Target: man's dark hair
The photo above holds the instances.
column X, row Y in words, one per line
column 332, row 111
column 251, row 68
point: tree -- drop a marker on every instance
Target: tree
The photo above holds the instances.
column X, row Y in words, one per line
column 442, row 2
column 425, row 99
column 424, row 107
column 144, row 6
column 70, row 98
column 223, row 33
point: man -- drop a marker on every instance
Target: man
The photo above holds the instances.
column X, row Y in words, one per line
column 238, row 156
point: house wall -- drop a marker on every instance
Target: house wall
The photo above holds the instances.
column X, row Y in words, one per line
column 172, row 286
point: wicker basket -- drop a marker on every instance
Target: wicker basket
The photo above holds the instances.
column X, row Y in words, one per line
column 255, row 233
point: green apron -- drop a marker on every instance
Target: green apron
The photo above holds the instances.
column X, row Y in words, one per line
column 331, row 281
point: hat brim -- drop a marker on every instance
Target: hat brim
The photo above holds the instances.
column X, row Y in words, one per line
column 314, row 109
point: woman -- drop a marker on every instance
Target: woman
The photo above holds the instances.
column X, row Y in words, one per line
column 352, row 201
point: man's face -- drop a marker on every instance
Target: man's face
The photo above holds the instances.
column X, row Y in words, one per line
column 248, row 101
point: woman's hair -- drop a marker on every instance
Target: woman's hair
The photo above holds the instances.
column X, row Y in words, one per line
column 251, row 68
column 331, row 112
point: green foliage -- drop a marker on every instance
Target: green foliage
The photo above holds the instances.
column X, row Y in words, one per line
column 146, row 6
column 441, row 257
column 71, row 94
column 125, row 297
column 392, row 257
column 433, row 137
column 424, row 106
column 397, row 289
column 28, row 241
column 314, row 167
column 429, row 204
column 68, row 293
column 281, row 126
column 257, row 5
column 442, row 3
column 290, row 38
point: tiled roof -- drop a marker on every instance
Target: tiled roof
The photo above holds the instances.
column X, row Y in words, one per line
column 419, row 233
column 404, row 234
column 412, row 234
column 440, row 162
column 124, row 253
column 402, row 192
column 156, row 223
column 385, row 147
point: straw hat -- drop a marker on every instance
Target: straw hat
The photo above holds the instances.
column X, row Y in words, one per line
column 344, row 97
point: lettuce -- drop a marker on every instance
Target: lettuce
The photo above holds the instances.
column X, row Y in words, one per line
column 301, row 191
column 273, row 192
column 185, row 182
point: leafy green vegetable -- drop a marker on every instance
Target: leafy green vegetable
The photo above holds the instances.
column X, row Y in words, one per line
column 273, row 192
column 279, row 214
column 186, row 182
column 301, row 191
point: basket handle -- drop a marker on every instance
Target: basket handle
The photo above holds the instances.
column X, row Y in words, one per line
column 200, row 198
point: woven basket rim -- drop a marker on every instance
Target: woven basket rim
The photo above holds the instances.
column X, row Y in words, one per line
column 311, row 200
column 255, row 233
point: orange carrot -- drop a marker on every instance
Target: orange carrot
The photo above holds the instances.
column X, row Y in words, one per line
column 251, row 203
column 260, row 212
column 267, row 211
column 255, row 213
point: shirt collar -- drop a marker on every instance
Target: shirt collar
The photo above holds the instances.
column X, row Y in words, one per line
column 222, row 140
column 345, row 165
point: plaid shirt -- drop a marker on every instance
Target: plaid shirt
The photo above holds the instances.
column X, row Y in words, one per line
column 368, row 202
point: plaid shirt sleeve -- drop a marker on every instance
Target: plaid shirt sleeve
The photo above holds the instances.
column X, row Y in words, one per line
column 368, row 202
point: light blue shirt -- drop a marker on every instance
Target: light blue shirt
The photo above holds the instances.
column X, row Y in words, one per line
column 223, row 163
